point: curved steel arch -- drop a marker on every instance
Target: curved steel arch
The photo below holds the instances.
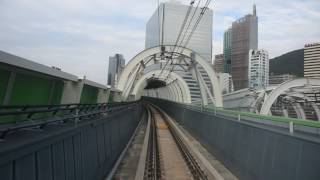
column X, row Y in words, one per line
column 271, row 98
column 183, row 93
column 313, row 104
column 128, row 76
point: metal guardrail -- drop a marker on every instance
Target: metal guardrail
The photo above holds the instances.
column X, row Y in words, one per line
column 52, row 114
column 255, row 147
column 66, row 150
column 291, row 122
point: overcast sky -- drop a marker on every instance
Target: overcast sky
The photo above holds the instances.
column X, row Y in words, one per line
column 79, row 35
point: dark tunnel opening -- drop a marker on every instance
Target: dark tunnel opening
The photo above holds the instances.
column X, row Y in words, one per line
column 155, row 83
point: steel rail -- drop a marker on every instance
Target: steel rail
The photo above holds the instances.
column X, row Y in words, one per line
column 153, row 170
column 192, row 164
column 153, row 166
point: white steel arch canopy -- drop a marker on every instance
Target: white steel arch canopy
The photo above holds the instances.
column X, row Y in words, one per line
column 133, row 72
column 179, row 90
column 271, row 98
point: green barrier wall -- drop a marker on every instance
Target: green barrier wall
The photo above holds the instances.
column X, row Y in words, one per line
column 4, row 77
column 57, row 92
column 89, row 95
column 30, row 90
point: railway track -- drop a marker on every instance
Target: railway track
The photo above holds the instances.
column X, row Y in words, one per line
column 164, row 153
column 167, row 156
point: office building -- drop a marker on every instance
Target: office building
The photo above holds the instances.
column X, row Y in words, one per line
column 312, row 60
column 244, row 38
column 225, row 81
column 218, row 63
column 116, row 66
column 227, row 47
column 258, row 69
column 281, row 78
column 164, row 27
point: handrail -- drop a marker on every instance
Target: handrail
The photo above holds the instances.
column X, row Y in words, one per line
column 304, row 122
column 74, row 114
column 7, row 112
column 287, row 120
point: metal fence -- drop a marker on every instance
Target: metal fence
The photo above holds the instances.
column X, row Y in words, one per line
column 82, row 147
column 249, row 150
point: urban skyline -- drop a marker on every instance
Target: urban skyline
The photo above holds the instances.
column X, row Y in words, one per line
column 79, row 111
column 83, row 31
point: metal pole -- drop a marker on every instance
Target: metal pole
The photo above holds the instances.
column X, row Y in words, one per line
column 291, row 127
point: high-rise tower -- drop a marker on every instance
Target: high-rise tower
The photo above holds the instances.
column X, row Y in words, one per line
column 116, row 66
column 312, row 60
column 164, row 25
column 227, row 47
column 244, row 38
column 258, row 69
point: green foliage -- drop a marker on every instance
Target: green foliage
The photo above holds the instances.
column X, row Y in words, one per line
column 289, row 63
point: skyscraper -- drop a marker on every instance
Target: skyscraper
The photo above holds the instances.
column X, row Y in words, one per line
column 312, row 60
column 244, row 38
column 116, row 66
column 164, row 26
column 258, row 74
column 227, row 47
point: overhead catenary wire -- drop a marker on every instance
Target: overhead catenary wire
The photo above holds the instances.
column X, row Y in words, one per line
column 186, row 31
column 159, row 38
column 179, row 35
column 203, row 10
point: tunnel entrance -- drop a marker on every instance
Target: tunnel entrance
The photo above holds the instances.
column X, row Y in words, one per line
column 155, row 83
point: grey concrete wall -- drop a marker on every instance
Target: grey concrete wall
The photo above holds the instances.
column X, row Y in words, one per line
column 250, row 151
column 85, row 151
column 71, row 92
column 103, row 95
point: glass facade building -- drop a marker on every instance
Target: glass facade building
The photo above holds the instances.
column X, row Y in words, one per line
column 116, row 66
column 164, row 27
column 227, row 47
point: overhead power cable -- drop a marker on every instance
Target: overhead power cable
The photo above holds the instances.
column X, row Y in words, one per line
column 203, row 10
column 186, row 29
column 159, row 23
column 179, row 35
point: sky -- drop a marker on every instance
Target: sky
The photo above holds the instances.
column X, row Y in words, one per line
column 78, row 36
